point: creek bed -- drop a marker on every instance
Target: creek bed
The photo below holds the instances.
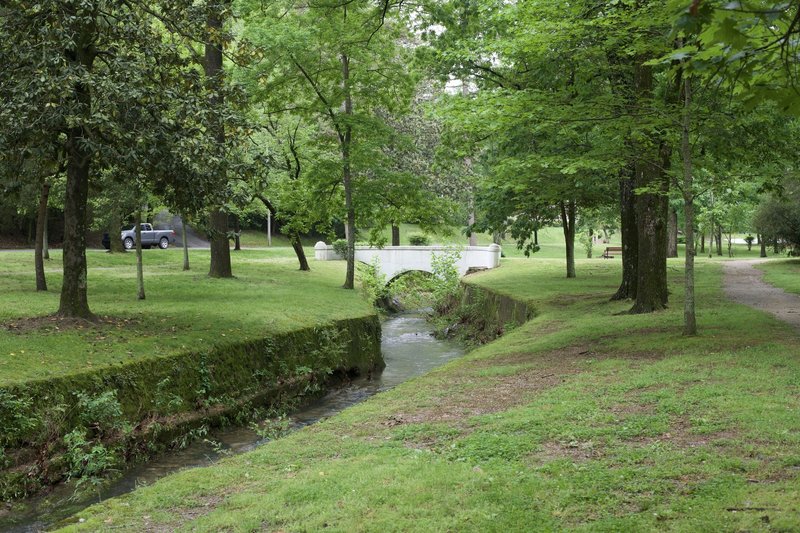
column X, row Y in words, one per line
column 409, row 350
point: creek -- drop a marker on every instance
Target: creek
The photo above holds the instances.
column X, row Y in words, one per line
column 409, row 350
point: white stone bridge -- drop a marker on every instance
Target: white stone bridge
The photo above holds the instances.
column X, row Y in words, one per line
column 397, row 260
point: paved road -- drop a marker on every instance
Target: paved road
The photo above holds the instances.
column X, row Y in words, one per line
column 194, row 238
column 744, row 284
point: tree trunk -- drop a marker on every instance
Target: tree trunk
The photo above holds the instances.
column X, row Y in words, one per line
column 347, row 178
column 568, row 225
column 702, row 243
column 536, row 237
column 74, row 302
column 41, row 233
column 220, row 246
column 139, row 262
column 395, row 235
column 45, row 238
column 763, row 243
column 651, row 217
column 672, row 233
column 689, row 316
column 218, row 220
column 473, row 238
column 718, row 238
column 237, row 246
column 776, row 246
column 115, row 243
column 297, row 245
column 185, row 244
column 630, row 238
column 651, row 211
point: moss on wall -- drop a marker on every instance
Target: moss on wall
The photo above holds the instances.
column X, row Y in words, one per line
column 158, row 399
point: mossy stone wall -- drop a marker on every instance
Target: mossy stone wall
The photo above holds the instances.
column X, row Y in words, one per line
column 165, row 395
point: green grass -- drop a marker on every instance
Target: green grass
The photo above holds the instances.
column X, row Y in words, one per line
column 258, row 239
column 183, row 310
column 585, row 418
column 783, row 274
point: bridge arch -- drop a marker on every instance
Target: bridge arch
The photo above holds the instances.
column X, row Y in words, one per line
column 406, row 273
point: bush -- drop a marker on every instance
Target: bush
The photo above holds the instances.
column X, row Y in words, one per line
column 588, row 243
column 419, row 239
column 340, row 247
column 373, row 282
column 445, row 282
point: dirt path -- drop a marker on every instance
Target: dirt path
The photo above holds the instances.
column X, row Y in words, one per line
column 744, row 284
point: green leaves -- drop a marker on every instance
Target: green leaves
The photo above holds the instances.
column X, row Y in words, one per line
column 745, row 46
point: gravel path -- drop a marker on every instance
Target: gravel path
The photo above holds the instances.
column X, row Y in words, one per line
column 744, row 284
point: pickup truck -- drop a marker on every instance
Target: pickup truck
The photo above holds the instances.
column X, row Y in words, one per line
column 150, row 237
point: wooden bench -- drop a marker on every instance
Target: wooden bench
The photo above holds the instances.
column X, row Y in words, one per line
column 611, row 250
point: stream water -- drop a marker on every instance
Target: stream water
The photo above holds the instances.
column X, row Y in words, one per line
column 408, row 349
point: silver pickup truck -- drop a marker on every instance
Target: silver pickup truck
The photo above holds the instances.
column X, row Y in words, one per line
column 150, row 237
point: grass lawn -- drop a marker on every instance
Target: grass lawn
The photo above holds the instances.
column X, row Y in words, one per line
column 251, row 238
column 582, row 419
column 783, row 274
column 183, row 310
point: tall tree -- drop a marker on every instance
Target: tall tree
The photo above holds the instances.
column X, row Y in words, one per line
column 220, row 266
column 349, row 65
column 73, row 78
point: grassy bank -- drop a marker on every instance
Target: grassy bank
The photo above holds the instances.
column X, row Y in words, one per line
column 183, row 310
column 582, row 418
column 79, row 399
column 783, row 274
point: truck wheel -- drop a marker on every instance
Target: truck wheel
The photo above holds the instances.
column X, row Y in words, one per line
column 163, row 243
column 128, row 243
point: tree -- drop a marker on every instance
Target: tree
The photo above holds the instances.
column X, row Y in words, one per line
column 74, row 80
column 63, row 83
column 544, row 75
column 778, row 215
column 220, row 266
column 349, row 65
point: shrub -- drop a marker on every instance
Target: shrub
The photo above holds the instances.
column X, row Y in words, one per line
column 340, row 247
column 588, row 243
column 419, row 239
column 445, row 282
column 373, row 282
column 102, row 413
column 18, row 420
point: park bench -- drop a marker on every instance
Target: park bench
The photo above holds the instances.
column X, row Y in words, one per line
column 611, row 250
